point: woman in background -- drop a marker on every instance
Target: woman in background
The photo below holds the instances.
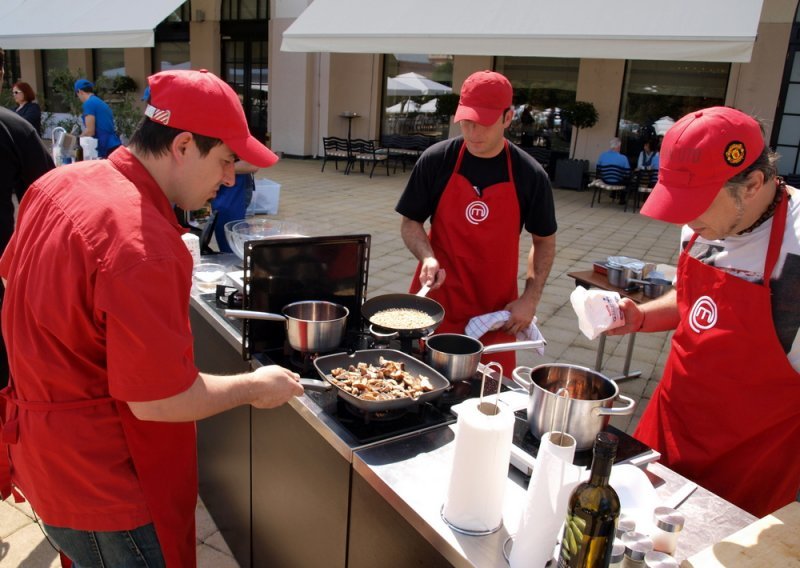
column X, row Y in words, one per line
column 27, row 107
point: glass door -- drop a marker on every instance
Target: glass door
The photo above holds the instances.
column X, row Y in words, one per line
column 786, row 133
column 245, row 68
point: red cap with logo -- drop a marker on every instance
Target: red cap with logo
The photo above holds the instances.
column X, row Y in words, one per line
column 484, row 97
column 202, row 103
column 701, row 152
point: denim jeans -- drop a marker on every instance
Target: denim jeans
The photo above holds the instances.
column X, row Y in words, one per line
column 105, row 549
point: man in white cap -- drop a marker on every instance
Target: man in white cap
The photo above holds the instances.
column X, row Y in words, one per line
column 727, row 411
column 479, row 191
column 99, row 414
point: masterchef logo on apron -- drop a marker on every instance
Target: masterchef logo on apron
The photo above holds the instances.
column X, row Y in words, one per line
column 703, row 314
column 476, row 212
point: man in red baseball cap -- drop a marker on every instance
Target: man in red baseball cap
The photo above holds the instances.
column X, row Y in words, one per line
column 479, row 191
column 728, row 406
column 99, row 414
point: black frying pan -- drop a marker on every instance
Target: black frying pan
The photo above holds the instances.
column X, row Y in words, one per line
column 407, row 301
column 326, row 363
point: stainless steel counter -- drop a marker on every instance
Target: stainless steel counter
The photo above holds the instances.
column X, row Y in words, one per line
column 412, row 475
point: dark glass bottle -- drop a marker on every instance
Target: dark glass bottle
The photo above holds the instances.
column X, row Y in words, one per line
column 593, row 511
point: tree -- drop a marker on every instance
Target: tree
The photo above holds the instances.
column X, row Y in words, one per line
column 580, row 114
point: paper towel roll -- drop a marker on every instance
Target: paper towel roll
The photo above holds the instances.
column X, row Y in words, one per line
column 193, row 244
column 554, row 477
column 474, row 502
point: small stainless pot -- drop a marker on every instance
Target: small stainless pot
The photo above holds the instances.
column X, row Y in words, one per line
column 621, row 276
column 654, row 287
column 592, row 396
column 457, row 356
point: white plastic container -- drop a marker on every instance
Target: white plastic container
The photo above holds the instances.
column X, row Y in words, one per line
column 669, row 523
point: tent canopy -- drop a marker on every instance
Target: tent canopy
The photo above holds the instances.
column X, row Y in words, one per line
column 414, row 85
column 683, row 30
column 83, row 24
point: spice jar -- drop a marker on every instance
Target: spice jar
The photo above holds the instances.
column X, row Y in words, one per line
column 617, row 554
column 655, row 559
column 636, row 546
column 669, row 524
column 625, row 524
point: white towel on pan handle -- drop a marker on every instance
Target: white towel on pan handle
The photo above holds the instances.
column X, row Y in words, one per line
column 479, row 325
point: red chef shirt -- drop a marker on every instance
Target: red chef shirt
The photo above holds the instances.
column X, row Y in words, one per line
column 96, row 305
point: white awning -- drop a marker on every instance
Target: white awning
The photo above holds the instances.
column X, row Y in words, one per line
column 683, row 30
column 81, row 24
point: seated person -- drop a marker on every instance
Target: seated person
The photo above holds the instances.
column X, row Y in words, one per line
column 612, row 156
column 648, row 162
column 231, row 202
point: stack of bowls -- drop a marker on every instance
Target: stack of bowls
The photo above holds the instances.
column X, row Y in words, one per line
column 256, row 229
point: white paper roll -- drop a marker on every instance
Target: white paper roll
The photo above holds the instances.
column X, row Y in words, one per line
column 193, row 244
column 554, row 477
column 474, row 500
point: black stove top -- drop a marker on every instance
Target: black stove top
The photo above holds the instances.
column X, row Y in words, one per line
column 629, row 447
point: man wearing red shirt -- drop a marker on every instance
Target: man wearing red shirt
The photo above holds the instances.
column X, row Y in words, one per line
column 99, row 414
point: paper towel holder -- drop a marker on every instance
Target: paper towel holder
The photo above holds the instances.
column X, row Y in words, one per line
column 485, row 407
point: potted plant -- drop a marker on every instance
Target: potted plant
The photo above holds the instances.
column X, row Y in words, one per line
column 571, row 173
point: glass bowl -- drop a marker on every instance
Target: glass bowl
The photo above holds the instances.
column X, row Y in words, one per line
column 207, row 275
column 256, row 229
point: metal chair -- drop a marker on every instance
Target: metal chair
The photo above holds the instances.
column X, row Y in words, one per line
column 611, row 178
column 363, row 151
column 335, row 149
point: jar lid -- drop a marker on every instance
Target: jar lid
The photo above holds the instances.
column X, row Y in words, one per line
column 625, row 524
column 617, row 551
column 636, row 545
column 654, row 559
column 668, row 520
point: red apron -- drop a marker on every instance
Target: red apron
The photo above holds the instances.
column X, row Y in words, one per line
column 475, row 238
column 727, row 411
column 164, row 456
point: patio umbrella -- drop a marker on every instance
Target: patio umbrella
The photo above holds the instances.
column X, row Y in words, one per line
column 414, row 85
column 662, row 125
column 429, row 107
column 403, row 106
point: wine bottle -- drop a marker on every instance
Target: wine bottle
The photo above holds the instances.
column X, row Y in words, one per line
column 593, row 511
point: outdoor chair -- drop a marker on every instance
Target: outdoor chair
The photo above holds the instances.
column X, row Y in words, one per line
column 363, row 151
column 335, row 149
column 644, row 183
column 612, row 178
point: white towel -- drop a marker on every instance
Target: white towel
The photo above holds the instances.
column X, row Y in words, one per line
column 479, row 325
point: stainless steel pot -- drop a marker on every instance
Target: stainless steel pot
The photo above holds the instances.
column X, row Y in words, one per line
column 457, row 356
column 591, row 397
column 654, row 287
column 311, row 326
column 621, row 276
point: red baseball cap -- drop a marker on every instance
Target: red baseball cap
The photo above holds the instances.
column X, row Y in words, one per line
column 202, row 103
column 701, row 152
column 484, row 97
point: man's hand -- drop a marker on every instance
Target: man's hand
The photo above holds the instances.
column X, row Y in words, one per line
column 275, row 386
column 522, row 311
column 431, row 274
column 634, row 318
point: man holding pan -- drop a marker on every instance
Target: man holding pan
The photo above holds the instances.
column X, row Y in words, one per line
column 98, row 418
column 479, row 191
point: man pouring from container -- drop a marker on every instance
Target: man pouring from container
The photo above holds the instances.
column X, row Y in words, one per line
column 727, row 411
column 479, row 190
column 98, row 418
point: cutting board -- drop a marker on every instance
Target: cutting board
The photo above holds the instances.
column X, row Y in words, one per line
column 769, row 542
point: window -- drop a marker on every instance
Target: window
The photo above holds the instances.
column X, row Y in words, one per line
column 172, row 41
column 171, row 55
column 108, row 62
column 656, row 93
column 12, row 69
column 543, row 85
column 245, row 10
column 54, row 62
column 412, row 85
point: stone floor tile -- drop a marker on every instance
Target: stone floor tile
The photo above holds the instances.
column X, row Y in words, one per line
column 27, row 548
column 11, row 519
column 209, row 557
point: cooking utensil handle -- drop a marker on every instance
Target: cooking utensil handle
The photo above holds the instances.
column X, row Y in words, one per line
column 249, row 314
column 513, row 346
column 517, row 378
column 619, row 411
column 315, row 385
column 424, row 291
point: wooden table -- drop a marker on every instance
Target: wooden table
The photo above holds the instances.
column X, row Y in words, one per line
column 592, row 279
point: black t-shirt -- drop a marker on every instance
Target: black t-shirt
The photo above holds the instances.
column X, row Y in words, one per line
column 23, row 158
column 434, row 168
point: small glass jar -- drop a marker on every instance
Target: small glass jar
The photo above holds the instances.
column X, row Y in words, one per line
column 636, row 546
column 655, row 559
column 669, row 524
column 617, row 554
column 625, row 524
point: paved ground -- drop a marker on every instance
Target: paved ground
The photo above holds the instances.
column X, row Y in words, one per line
column 331, row 203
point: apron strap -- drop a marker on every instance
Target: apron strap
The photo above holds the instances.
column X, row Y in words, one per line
column 776, row 234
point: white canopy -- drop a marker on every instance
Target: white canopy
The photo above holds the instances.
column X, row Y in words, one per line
column 403, row 106
column 81, row 24
column 684, row 30
column 413, row 85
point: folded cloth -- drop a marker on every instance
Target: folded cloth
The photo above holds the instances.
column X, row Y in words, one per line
column 479, row 325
